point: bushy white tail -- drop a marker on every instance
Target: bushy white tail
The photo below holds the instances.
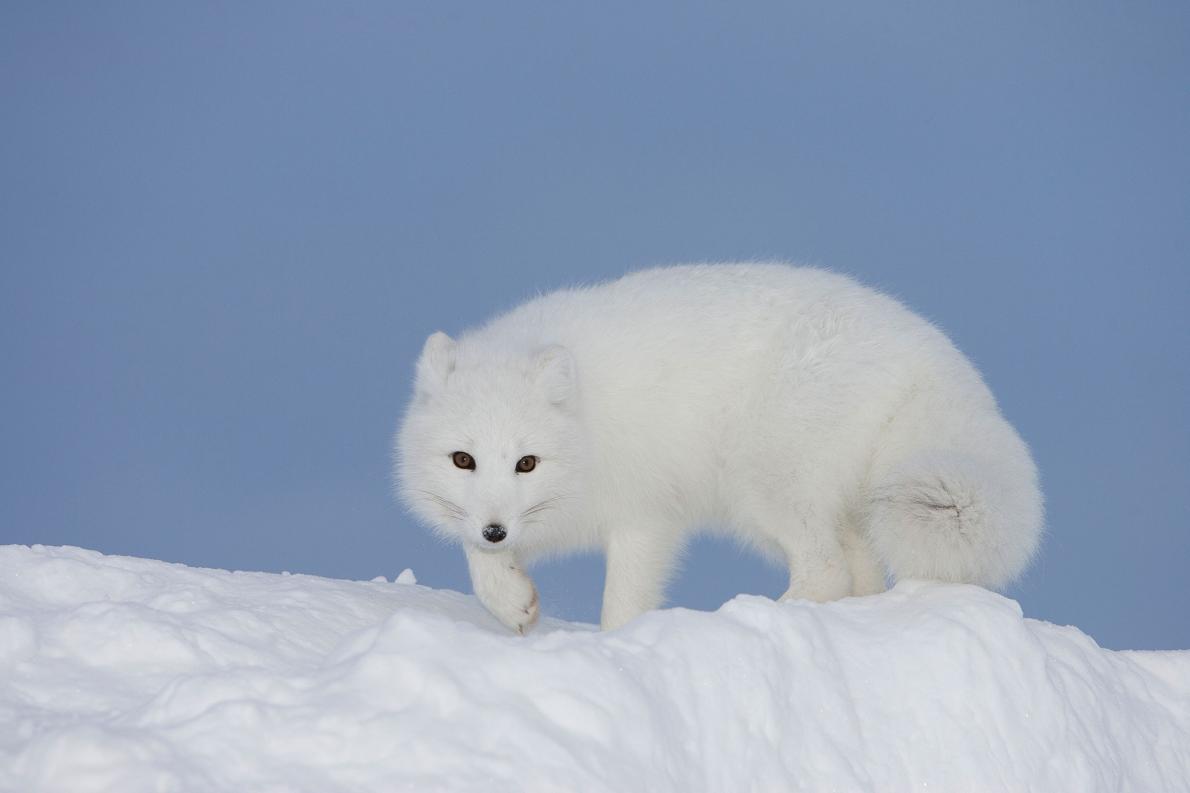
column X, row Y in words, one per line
column 951, row 516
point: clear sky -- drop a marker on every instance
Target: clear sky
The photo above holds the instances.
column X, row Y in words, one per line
column 226, row 229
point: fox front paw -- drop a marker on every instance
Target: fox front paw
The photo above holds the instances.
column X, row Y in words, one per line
column 515, row 603
column 504, row 589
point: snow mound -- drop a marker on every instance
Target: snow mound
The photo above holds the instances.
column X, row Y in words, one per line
column 130, row 675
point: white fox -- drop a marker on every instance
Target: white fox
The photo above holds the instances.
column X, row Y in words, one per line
column 815, row 418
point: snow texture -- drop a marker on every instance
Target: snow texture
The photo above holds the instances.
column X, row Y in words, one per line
column 121, row 674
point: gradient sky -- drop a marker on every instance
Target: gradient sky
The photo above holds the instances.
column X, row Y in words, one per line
column 226, row 229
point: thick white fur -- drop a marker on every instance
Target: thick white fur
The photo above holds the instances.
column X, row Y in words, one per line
column 813, row 417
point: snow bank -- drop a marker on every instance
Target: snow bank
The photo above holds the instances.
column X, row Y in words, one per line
column 129, row 675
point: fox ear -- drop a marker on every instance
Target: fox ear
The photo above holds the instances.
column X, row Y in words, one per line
column 553, row 370
column 436, row 363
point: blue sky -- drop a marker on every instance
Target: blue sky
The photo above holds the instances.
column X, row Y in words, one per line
column 226, row 229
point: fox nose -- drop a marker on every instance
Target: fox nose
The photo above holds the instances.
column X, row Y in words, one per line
column 494, row 532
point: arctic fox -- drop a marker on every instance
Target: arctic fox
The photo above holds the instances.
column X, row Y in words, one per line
column 813, row 417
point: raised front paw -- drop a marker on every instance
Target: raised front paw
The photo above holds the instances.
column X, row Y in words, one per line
column 514, row 602
column 508, row 593
column 504, row 588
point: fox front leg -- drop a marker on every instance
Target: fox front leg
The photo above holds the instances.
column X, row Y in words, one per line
column 504, row 588
column 639, row 564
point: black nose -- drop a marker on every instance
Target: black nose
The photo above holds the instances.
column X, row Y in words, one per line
column 494, row 532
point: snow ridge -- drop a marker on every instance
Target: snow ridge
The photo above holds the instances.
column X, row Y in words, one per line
column 122, row 674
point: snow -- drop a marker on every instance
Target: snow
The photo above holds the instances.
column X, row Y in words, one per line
column 122, row 674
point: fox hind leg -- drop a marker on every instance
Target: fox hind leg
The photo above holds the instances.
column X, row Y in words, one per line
column 867, row 572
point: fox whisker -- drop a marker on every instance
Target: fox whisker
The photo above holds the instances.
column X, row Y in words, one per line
column 543, row 506
column 445, row 503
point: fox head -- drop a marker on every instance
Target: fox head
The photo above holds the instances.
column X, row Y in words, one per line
column 489, row 450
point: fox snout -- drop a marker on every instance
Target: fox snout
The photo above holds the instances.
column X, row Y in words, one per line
column 494, row 532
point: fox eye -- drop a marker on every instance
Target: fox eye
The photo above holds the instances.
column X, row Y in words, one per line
column 526, row 464
column 464, row 461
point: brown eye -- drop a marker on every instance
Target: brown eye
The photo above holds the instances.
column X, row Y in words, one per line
column 526, row 464
column 463, row 460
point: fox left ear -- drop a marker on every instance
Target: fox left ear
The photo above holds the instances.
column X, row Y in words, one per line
column 553, row 369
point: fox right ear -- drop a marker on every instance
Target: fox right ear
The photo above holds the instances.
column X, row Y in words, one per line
column 436, row 363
